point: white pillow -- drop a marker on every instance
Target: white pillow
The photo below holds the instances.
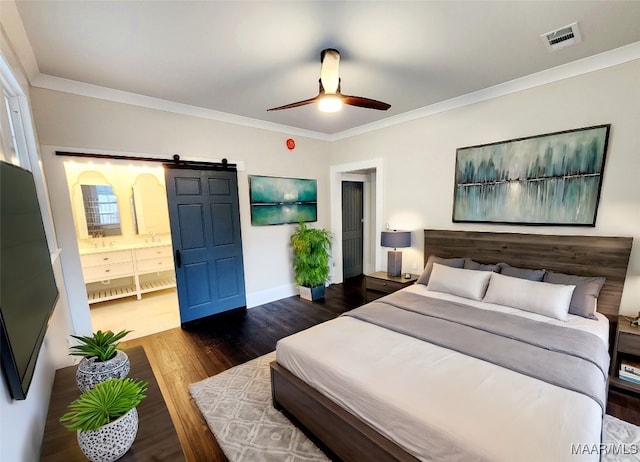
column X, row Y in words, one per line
column 457, row 281
column 551, row 300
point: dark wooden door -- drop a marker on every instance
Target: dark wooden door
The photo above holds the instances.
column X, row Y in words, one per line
column 207, row 243
column 352, row 229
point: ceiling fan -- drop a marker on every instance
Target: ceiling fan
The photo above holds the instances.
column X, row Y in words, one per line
column 329, row 98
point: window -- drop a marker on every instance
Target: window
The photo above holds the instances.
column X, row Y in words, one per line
column 7, row 132
column 18, row 141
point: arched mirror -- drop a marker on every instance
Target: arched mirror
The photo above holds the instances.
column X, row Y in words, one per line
column 150, row 209
column 95, row 206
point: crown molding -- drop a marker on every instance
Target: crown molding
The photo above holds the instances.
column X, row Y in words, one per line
column 50, row 82
column 598, row 62
column 14, row 33
column 604, row 60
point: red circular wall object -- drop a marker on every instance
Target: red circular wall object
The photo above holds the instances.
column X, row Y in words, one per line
column 291, row 144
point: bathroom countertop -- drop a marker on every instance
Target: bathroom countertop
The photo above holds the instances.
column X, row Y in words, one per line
column 112, row 247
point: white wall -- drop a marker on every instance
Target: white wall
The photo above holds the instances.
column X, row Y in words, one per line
column 77, row 123
column 22, row 422
column 419, row 157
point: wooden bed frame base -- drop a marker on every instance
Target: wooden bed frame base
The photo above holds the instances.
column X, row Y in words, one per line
column 347, row 436
column 354, row 440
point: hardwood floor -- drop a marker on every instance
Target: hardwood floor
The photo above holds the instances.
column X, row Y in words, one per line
column 180, row 357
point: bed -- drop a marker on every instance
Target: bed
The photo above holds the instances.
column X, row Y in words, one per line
column 370, row 391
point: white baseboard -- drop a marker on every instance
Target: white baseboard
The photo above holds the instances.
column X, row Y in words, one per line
column 270, row 295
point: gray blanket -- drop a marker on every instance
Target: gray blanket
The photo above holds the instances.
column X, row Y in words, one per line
column 569, row 358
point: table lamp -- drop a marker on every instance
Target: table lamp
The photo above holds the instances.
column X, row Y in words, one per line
column 395, row 239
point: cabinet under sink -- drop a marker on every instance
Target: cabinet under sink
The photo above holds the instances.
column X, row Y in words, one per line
column 111, row 274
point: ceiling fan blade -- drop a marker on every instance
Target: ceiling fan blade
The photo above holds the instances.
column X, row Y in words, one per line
column 329, row 90
column 296, row 104
column 329, row 75
column 365, row 102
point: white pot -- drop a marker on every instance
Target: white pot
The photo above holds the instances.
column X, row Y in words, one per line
column 305, row 292
column 111, row 441
column 90, row 371
column 311, row 293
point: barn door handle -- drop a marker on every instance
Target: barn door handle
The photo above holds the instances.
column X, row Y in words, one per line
column 178, row 259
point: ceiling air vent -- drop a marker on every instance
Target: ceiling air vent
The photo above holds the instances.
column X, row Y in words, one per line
column 563, row 37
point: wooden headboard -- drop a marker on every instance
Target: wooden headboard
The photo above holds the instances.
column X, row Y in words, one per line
column 579, row 255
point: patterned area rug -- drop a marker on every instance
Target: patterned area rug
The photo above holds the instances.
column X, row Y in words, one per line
column 621, row 441
column 237, row 407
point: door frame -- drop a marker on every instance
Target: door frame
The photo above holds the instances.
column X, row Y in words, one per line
column 374, row 171
column 65, row 228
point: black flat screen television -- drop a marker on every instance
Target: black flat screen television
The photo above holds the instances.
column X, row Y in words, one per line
column 28, row 291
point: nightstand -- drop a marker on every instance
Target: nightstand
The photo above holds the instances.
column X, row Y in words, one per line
column 379, row 284
column 626, row 346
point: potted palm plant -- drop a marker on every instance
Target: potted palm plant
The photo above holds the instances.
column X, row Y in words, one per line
column 311, row 260
column 101, row 358
column 106, row 418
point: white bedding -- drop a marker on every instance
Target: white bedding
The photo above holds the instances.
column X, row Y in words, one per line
column 439, row 404
column 599, row 327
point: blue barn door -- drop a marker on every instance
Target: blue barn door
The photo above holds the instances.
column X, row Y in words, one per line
column 207, row 243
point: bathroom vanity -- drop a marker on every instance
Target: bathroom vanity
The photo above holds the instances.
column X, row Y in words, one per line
column 125, row 271
column 122, row 225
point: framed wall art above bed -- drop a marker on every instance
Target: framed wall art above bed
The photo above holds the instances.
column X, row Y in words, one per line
column 551, row 179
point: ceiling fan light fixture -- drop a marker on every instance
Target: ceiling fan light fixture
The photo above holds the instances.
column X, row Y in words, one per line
column 329, row 97
column 330, row 103
column 329, row 75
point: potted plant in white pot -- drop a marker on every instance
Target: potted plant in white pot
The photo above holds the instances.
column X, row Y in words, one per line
column 311, row 260
column 106, row 418
column 101, row 358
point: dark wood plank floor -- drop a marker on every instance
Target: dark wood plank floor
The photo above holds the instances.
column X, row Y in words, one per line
column 180, row 357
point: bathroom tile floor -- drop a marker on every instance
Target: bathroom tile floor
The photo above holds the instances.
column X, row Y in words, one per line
column 155, row 312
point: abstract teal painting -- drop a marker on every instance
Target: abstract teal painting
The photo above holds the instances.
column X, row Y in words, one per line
column 276, row 201
column 551, row 179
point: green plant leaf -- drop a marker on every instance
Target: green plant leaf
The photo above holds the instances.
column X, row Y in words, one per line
column 104, row 403
column 311, row 248
column 102, row 345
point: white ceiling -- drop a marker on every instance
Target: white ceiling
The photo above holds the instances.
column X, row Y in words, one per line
column 242, row 57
